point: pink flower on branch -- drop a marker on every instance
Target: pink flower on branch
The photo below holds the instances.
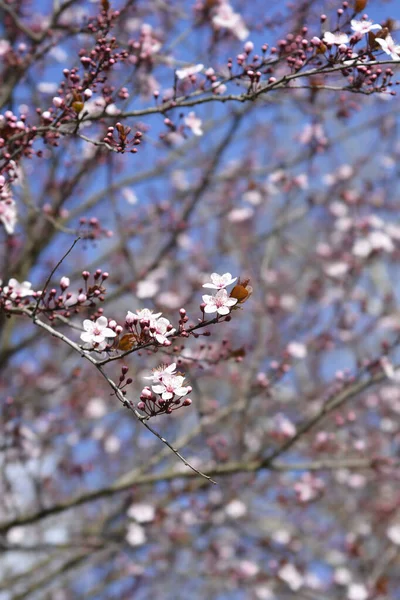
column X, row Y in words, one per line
column 170, row 386
column 364, row 26
column 219, row 282
column 194, row 123
column 221, row 303
column 336, row 38
column 96, row 333
column 188, row 71
column 389, row 46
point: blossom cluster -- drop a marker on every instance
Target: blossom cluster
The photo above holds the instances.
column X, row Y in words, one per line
column 166, row 392
column 220, row 303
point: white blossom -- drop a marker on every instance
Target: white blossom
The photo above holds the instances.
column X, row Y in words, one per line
column 221, row 303
column 188, row 71
column 226, row 18
column 162, row 371
column 14, row 289
column 389, row 46
column 336, row 38
column 219, row 282
column 194, row 123
column 160, row 330
column 96, row 333
column 170, row 386
column 364, row 26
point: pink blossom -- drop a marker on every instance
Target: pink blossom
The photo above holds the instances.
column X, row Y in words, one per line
column 170, row 386
column 160, row 372
column 291, row 576
column 8, row 214
column 219, row 282
column 194, row 123
column 144, row 313
column 14, row 289
column 95, row 333
column 393, row 533
column 363, row 26
column 188, row 71
column 389, row 46
column 221, row 303
column 160, row 330
column 226, row 18
column 357, row 591
column 297, row 350
column 336, row 38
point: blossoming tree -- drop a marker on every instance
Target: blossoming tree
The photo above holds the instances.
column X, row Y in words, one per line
column 198, row 302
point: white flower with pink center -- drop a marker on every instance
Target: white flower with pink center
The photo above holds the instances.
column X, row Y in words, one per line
column 337, row 38
column 144, row 313
column 218, row 282
column 188, row 71
column 194, row 123
column 162, row 371
column 170, row 386
column 8, row 214
column 96, row 333
column 221, row 303
column 226, row 18
column 15, row 290
column 389, row 46
column 161, row 329
column 363, row 26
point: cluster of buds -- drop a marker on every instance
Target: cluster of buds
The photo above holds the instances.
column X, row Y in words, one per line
column 121, row 142
column 166, row 394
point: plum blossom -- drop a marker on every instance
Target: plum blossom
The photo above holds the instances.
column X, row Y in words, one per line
column 144, row 313
column 141, row 513
column 8, row 214
column 291, row 576
column 221, row 303
column 170, row 386
column 95, row 333
column 363, row 26
column 162, row 371
column 336, row 38
column 188, row 71
column 389, row 46
column 393, row 533
column 226, row 18
column 297, row 350
column 357, row 591
column 15, row 290
column 194, row 123
column 218, row 282
column 160, row 329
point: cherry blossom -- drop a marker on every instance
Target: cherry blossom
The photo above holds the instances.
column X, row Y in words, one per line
column 188, row 71
column 170, row 386
column 161, row 329
column 389, row 46
column 357, row 591
column 363, row 26
column 144, row 313
column 218, row 282
column 8, row 214
column 14, row 289
column 336, row 38
column 226, row 18
column 393, row 533
column 96, row 333
column 194, row 123
column 161, row 371
column 291, row 576
column 221, row 303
